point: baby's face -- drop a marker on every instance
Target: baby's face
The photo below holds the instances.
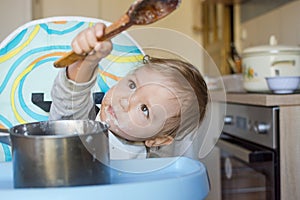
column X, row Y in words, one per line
column 137, row 107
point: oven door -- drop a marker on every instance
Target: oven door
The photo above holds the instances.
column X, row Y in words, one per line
column 247, row 171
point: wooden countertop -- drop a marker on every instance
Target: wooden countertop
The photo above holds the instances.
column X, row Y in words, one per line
column 263, row 99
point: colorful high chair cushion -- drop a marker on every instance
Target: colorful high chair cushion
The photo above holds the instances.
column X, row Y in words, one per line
column 5, row 152
column 27, row 72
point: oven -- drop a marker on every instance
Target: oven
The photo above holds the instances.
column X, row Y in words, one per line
column 250, row 153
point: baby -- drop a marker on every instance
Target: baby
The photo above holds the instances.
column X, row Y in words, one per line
column 159, row 101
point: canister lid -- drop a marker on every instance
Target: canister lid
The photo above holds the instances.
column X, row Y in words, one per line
column 272, row 48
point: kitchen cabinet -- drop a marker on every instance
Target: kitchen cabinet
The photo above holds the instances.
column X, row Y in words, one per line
column 252, row 8
column 289, row 135
column 217, row 33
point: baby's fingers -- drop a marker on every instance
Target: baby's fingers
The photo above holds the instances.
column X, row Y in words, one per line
column 80, row 45
column 91, row 39
column 102, row 49
column 84, row 42
column 99, row 30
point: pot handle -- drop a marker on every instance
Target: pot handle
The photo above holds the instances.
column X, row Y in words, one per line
column 285, row 62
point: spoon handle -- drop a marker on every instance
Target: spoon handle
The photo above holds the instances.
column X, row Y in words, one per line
column 115, row 28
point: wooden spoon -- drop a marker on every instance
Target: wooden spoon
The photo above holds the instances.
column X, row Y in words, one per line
column 141, row 12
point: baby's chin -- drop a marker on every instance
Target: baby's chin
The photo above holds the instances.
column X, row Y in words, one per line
column 121, row 134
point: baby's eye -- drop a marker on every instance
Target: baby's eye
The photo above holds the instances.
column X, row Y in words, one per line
column 145, row 110
column 131, row 85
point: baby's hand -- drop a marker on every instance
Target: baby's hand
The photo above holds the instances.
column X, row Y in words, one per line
column 86, row 42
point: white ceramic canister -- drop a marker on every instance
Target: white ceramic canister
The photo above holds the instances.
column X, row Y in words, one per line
column 271, row 60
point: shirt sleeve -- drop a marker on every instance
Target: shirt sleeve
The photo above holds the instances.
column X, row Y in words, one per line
column 71, row 100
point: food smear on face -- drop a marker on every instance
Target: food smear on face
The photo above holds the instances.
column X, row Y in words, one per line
column 110, row 116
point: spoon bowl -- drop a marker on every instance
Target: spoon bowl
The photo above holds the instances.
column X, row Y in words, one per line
column 146, row 12
column 141, row 12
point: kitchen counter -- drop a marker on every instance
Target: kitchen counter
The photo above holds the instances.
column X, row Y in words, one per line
column 289, row 134
column 264, row 99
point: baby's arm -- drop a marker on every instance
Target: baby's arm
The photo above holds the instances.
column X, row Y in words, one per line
column 71, row 100
column 71, row 92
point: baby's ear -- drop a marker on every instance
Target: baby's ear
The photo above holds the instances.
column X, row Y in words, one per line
column 159, row 141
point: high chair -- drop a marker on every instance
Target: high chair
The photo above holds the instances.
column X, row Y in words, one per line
column 27, row 72
column 26, row 78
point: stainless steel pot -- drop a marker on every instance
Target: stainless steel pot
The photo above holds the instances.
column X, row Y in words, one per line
column 60, row 153
column 271, row 60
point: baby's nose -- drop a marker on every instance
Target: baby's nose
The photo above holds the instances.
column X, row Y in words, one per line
column 124, row 103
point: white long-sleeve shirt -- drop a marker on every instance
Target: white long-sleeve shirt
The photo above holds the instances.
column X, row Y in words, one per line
column 71, row 100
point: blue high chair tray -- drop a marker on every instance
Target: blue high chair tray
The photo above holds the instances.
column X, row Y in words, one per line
column 177, row 178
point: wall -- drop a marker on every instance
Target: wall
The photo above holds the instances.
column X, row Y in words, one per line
column 46, row 8
column 183, row 19
column 282, row 22
column 13, row 13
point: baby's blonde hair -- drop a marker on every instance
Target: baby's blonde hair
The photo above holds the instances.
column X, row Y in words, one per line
column 191, row 91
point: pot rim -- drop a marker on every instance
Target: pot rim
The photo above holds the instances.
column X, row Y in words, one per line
column 23, row 134
column 52, row 136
